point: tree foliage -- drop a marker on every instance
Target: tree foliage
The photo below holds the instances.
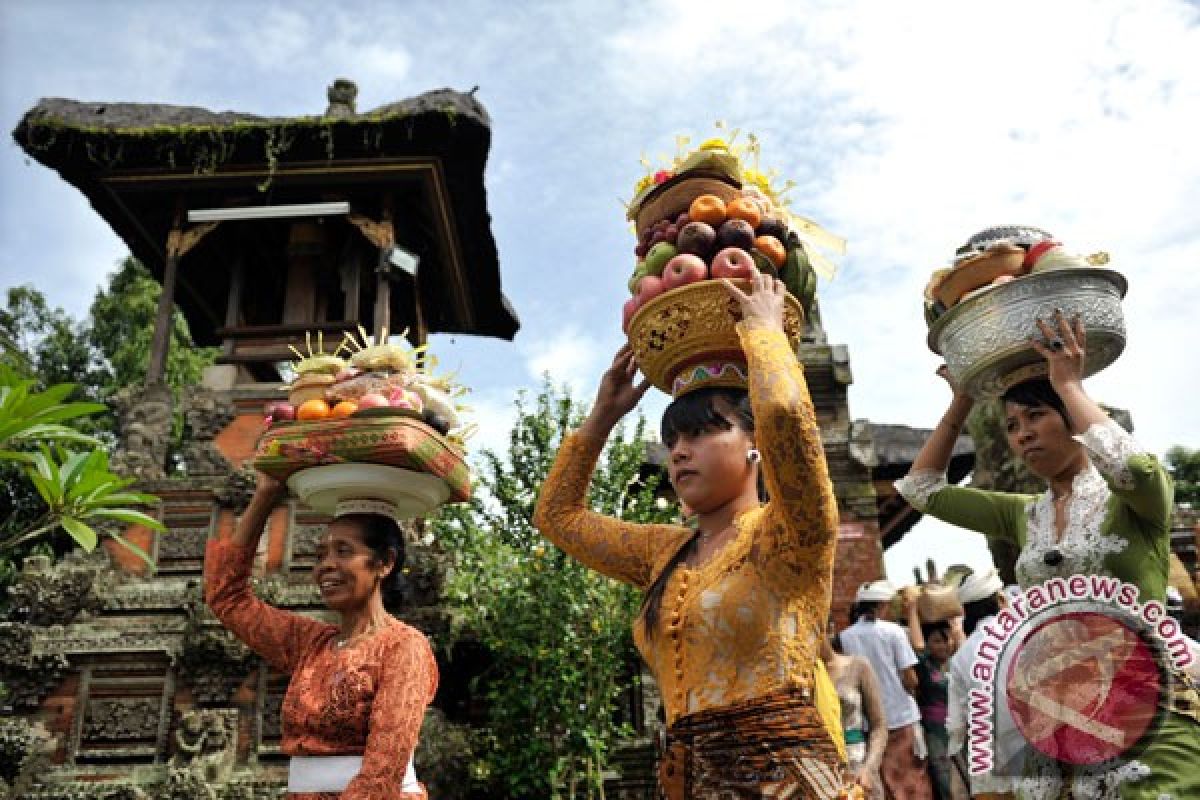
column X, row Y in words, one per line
column 1184, row 466
column 558, row 633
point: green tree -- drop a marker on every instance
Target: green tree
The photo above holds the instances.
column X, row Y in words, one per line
column 558, row 633
column 121, row 327
column 47, row 343
column 1184, row 466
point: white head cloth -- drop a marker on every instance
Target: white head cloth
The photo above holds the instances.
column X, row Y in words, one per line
column 364, row 506
column 979, row 586
column 875, row 592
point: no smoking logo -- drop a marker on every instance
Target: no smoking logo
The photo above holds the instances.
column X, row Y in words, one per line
column 1083, row 687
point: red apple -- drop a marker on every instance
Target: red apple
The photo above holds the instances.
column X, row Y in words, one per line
column 649, row 288
column 684, row 269
column 280, row 411
column 627, row 311
column 405, row 398
column 372, row 400
column 733, row 262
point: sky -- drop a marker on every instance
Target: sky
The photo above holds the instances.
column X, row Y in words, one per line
column 906, row 127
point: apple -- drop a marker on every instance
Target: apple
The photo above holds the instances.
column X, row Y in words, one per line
column 372, row 400
column 697, row 238
column 735, row 233
column 733, row 262
column 684, row 269
column 656, row 260
column 649, row 288
column 406, row 398
column 627, row 311
column 639, row 272
column 280, row 411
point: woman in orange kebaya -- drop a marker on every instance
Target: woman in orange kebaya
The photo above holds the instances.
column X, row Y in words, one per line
column 359, row 689
column 734, row 610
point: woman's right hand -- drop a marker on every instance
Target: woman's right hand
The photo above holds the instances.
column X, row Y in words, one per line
column 618, row 393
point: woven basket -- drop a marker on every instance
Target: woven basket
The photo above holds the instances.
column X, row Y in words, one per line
column 676, row 195
column 396, row 441
column 687, row 338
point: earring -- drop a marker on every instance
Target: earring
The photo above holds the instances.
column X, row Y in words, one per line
column 753, row 456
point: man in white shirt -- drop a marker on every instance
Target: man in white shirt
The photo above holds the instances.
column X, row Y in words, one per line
column 981, row 595
column 885, row 645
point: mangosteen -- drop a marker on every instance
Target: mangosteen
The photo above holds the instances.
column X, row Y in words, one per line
column 735, row 233
column 772, row 226
column 697, row 239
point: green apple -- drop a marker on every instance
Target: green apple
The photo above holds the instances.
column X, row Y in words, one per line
column 639, row 272
column 657, row 258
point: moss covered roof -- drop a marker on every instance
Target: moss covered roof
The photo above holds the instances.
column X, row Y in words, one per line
column 103, row 149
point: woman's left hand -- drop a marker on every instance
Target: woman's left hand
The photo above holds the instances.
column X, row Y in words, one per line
column 762, row 307
column 1064, row 349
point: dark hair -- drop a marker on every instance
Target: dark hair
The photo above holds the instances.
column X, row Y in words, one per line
column 978, row 610
column 942, row 627
column 697, row 411
column 693, row 413
column 1037, row 393
column 383, row 536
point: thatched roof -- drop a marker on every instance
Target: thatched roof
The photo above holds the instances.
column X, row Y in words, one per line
column 133, row 160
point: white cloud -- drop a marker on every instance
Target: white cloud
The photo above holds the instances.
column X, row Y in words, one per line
column 571, row 357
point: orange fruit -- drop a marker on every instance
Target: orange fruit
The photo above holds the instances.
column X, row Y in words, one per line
column 772, row 248
column 744, row 208
column 343, row 409
column 707, row 208
column 311, row 410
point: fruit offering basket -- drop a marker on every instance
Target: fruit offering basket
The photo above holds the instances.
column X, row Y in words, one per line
column 378, row 426
column 981, row 320
column 688, row 336
column 713, row 215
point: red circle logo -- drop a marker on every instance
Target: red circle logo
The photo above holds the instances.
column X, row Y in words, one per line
column 1083, row 687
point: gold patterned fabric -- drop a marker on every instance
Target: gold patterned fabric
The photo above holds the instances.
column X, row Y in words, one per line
column 750, row 621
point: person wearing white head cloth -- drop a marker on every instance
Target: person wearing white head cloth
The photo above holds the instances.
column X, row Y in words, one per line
column 981, row 595
column 358, row 689
column 885, row 646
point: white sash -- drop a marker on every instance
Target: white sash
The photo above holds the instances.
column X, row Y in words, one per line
column 334, row 773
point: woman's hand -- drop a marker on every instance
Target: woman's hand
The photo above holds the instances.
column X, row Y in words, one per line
column 269, row 488
column 1064, row 350
column 763, row 306
column 618, row 393
column 864, row 777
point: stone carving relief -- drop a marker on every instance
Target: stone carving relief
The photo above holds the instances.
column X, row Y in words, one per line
column 46, row 593
column 205, row 746
column 144, row 425
column 206, row 413
column 122, row 719
column 27, row 678
column 236, row 491
column 213, row 663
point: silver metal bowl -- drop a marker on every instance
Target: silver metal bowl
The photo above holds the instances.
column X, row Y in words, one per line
column 985, row 339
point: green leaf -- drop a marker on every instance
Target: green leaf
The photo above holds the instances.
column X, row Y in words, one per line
column 130, row 516
column 81, row 532
column 137, row 551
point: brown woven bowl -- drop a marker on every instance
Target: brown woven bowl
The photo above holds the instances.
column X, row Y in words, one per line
column 694, row 328
column 677, row 194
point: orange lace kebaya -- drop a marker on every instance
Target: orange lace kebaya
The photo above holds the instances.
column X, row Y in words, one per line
column 749, row 622
column 367, row 698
